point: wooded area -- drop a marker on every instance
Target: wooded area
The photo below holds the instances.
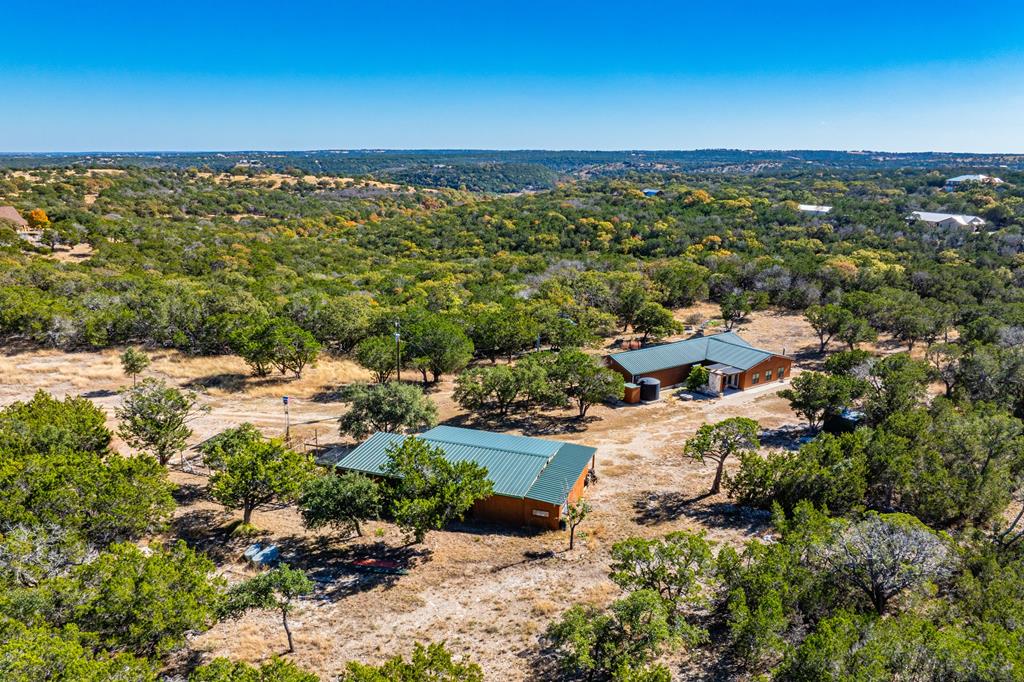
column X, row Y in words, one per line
column 894, row 548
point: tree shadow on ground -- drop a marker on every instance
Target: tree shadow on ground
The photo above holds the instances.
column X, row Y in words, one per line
column 471, row 526
column 182, row 663
column 332, row 566
column 529, row 557
column 329, row 456
column 232, row 382
column 543, row 662
column 207, row 531
column 531, row 425
column 788, row 437
column 542, row 425
column 809, row 358
column 891, row 345
column 99, row 393
column 187, row 494
column 329, row 394
column 652, row 508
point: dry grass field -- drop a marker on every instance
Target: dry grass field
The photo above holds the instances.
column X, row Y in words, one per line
column 489, row 591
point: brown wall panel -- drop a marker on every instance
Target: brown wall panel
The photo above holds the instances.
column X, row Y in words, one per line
column 773, row 363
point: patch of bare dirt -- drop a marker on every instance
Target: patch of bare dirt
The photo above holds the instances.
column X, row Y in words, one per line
column 489, row 591
column 71, row 254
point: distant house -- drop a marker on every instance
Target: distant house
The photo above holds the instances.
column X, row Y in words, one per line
column 812, row 208
column 534, row 478
column 962, row 181
column 11, row 215
column 971, row 222
column 732, row 362
column 651, row 192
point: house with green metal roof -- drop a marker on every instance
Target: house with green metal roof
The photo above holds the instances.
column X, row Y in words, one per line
column 534, row 478
column 732, row 362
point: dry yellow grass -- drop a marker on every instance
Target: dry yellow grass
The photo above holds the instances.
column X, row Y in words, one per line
column 277, row 180
column 485, row 592
column 544, row 607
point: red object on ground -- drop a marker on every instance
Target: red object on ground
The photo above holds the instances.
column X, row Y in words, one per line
column 375, row 563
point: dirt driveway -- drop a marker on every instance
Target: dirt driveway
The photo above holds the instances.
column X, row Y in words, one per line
column 489, row 591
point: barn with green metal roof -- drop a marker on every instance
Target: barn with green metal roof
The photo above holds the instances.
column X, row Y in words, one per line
column 732, row 362
column 534, row 478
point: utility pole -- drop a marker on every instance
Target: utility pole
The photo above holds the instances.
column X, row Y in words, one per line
column 287, row 420
column 398, row 351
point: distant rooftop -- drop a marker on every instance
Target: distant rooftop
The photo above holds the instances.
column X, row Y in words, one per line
column 11, row 214
column 813, row 208
column 964, row 220
column 973, row 177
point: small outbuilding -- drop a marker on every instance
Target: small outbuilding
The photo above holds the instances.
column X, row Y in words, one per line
column 631, row 394
column 534, row 478
column 732, row 363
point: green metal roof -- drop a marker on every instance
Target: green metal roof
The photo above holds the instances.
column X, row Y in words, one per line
column 560, row 475
column 727, row 348
column 518, row 466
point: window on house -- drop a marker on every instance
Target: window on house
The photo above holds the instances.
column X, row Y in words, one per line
column 756, row 378
column 541, row 513
column 767, row 375
column 782, row 372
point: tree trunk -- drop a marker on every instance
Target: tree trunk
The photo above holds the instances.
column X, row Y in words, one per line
column 572, row 536
column 287, row 631
column 880, row 602
column 1002, row 536
column 246, row 513
column 716, row 487
column 359, row 529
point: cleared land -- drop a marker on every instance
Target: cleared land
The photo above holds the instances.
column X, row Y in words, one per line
column 489, row 591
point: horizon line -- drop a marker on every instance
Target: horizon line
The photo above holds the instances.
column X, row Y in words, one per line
column 387, row 150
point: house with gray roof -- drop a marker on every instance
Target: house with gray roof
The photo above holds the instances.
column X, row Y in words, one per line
column 534, row 478
column 963, row 181
column 967, row 222
column 732, row 362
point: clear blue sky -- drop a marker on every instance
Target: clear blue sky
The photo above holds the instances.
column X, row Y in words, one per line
column 897, row 75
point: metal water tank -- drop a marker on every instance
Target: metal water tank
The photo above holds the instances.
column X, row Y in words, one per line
column 650, row 389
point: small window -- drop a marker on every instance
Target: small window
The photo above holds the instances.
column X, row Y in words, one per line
column 767, row 375
column 756, row 378
column 782, row 372
column 541, row 512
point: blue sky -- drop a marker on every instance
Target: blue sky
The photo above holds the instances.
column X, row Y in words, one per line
column 892, row 75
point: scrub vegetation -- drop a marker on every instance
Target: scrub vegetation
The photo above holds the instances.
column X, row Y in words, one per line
column 863, row 521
